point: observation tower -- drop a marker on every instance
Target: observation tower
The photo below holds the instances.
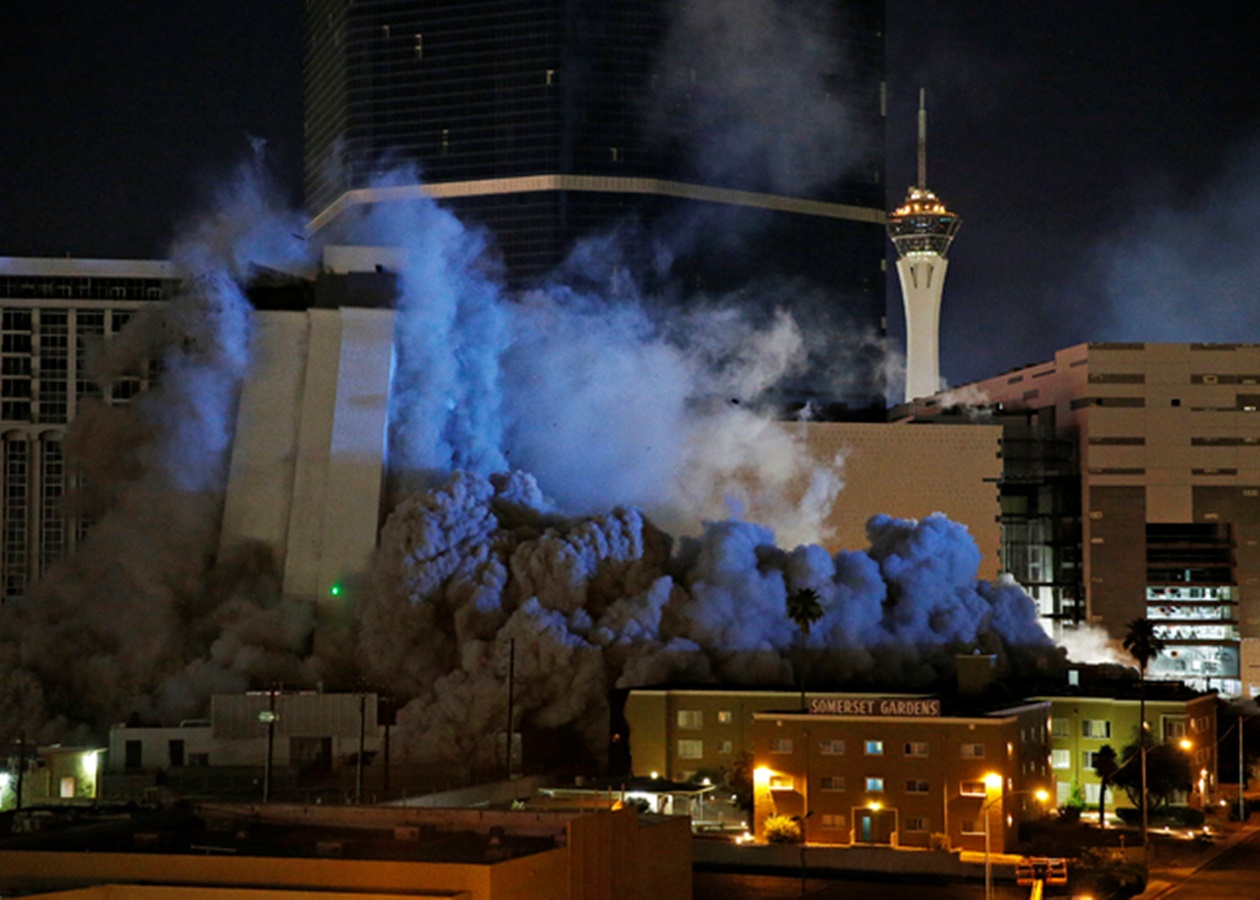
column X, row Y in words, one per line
column 922, row 230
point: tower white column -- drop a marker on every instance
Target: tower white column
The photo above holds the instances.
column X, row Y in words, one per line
column 922, row 230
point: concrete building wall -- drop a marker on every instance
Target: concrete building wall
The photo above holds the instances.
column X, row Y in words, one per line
column 310, row 449
column 1168, row 434
column 911, row 472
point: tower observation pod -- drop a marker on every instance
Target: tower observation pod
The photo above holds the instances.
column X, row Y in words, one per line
column 922, row 230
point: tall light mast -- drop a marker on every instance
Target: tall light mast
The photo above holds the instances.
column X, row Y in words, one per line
column 922, row 230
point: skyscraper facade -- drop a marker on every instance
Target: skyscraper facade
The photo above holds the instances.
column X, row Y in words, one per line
column 57, row 315
column 548, row 121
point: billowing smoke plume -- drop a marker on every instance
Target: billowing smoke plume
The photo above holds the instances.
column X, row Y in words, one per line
column 107, row 629
column 609, row 601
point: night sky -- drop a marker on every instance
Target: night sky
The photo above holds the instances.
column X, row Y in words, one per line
column 1104, row 154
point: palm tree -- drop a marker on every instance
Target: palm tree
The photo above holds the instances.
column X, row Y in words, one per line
column 804, row 608
column 1105, row 766
column 1143, row 645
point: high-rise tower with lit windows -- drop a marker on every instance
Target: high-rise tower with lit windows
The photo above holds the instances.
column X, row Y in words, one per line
column 922, row 230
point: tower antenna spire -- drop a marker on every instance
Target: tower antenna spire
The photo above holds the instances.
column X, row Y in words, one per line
column 922, row 137
column 922, row 230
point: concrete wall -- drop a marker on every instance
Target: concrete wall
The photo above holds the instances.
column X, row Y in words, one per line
column 912, row 471
column 309, row 454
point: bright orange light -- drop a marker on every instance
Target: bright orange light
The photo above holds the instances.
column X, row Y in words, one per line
column 1185, row 743
column 761, row 776
column 1042, row 795
column 993, row 782
column 875, row 805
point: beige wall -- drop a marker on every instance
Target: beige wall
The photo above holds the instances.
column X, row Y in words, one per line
column 912, row 471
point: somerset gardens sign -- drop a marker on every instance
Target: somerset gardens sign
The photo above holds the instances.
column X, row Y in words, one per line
column 873, row 706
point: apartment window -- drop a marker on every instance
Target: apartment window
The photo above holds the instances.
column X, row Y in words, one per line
column 780, row 782
column 690, row 749
column 916, row 748
column 833, row 782
column 781, row 745
column 690, row 718
column 874, row 785
column 831, row 748
column 1091, row 793
column 973, row 751
column 832, row 822
column 973, row 826
column 133, row 754
column 1096, row 728
column 874, row 748
column 725, row 717
column 972, row 789
column 1060, row 759
column 916, row 823
column 1060, row 728
column 724, row 747
column 916, row 786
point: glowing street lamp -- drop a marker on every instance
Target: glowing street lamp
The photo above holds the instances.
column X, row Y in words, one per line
column 993, row 786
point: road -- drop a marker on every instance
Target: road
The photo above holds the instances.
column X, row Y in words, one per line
column 1234, row 875
column 729, row 886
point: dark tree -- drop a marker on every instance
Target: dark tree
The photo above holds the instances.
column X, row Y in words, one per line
column 1143, row 645
column 1106, row 766
column 804, row 608
column 1166, row 774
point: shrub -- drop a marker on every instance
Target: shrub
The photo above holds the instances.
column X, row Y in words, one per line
column 783, row 830
column 938, row 840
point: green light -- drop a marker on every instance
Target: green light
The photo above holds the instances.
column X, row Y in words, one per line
column 335, row 590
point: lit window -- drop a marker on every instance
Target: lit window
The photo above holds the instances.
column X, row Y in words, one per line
column 874, row 748
column 1096, row 728
column 1060, row 728
column 972, row 789
column 874, row 785
column 724, row 717
column 690, row 718
column 780, row 782
column 1060, row 759
column 690, row 749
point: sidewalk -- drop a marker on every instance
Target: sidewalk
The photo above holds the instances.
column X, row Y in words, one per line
column 1164, row 878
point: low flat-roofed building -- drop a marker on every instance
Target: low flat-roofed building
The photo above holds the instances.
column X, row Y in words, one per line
column 228, row 850
column 684, row 733
column 897, row 770
column 1085, row 717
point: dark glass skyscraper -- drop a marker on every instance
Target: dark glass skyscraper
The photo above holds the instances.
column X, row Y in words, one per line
column 738, row 155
